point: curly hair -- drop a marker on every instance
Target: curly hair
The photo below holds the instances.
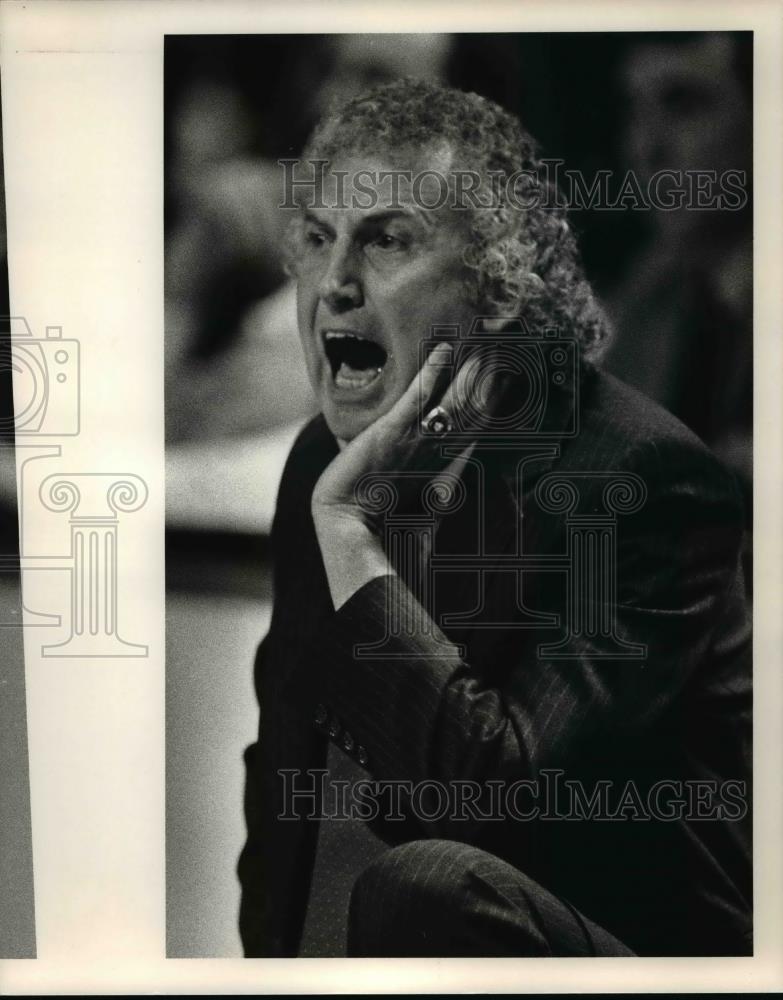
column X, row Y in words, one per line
column 521, row 262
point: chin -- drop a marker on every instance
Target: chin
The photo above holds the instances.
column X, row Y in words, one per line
column 347, row 418
column 346, row 426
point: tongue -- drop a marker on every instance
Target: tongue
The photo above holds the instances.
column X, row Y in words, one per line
column 355, row 378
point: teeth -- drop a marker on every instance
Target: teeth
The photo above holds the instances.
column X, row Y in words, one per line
column 335, row 335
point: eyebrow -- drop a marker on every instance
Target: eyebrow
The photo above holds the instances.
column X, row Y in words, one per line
column 391, row 213
column 372, row 217
column 310, row 216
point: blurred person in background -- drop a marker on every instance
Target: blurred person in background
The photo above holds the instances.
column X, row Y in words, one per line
column 683, row 310
column 224, row 373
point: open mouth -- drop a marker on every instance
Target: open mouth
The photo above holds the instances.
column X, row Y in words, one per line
column 355, row 361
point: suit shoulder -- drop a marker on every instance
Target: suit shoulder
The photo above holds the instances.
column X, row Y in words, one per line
column 631, row 415
column 619, row 420
column 632, row 431
column 622, row 430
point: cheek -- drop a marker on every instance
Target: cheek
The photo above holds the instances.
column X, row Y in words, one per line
column 305, row 310
column 442, row 301
column 306, row 301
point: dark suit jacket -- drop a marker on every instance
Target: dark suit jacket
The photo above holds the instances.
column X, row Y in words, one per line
column 482, row 703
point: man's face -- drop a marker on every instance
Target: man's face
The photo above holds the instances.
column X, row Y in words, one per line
column 371, row 284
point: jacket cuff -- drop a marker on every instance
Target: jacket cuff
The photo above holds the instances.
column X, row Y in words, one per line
column 378, row 675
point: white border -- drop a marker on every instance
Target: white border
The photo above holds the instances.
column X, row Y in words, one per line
column 82, row 116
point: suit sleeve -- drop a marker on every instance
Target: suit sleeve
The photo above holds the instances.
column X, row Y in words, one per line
column 423, row 713
column 270, row 871
column 253, row 922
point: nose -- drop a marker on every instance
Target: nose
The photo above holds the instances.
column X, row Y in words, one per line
column 340, row 287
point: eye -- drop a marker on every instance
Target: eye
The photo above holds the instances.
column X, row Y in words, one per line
column 388, row 243
column 315, row 238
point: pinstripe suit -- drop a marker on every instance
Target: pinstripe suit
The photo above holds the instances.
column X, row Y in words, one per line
column 480, row 703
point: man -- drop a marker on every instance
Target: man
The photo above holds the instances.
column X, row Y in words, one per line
column 502, row 579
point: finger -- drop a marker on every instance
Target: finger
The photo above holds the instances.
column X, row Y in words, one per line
column 475, row 390
column 438, row 364
column 420, row 392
